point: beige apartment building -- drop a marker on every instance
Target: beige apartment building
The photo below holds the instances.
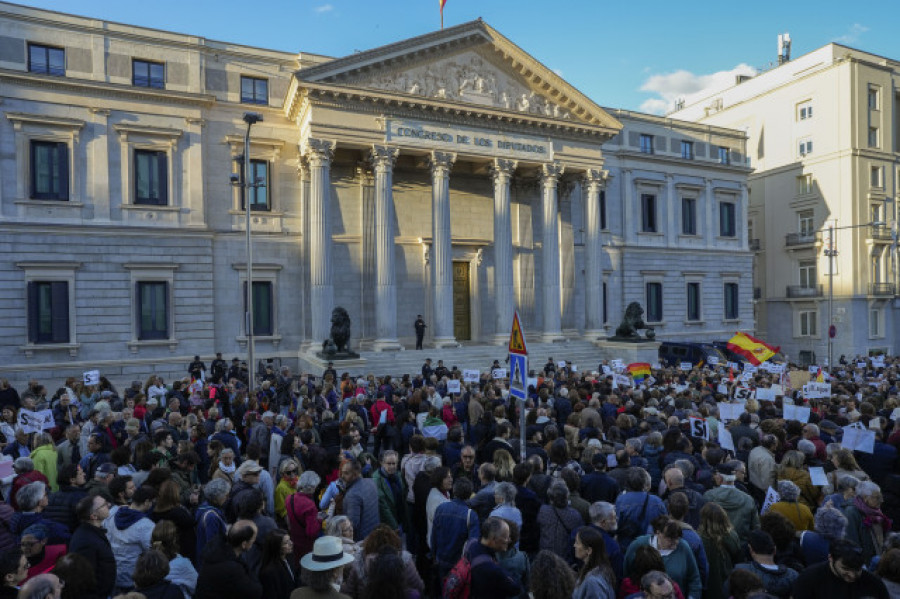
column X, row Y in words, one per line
column 824, row 142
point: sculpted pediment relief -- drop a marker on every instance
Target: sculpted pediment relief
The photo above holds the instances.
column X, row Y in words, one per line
column 466, row 77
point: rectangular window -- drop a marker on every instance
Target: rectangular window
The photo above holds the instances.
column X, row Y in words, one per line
column 263, row 308
column 151, row 180
column 874, row 323
column 804, row 111
column 603, row 209
column 47, row 60
column 804, row 184
column 874, row 100
column 689, row 216
column 873, row 137
column 808, row 324
column 259, row 185
column 605, row 314
column 727, row 222
column 806, row 223
column 646, row 144
column 49, row 170
column 148, row 74
column 254, row 90
column 654, row 302
column 48, row 312
column 723, row 155
column 693, row 301
column 875, row 213
column 876, row 176
column 731, row 301
column 153, row 310
column 687, row 150
column 805, row 146
column 648, row 213
column 808, row 277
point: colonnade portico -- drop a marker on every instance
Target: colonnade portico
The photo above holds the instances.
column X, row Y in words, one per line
column 317, row 155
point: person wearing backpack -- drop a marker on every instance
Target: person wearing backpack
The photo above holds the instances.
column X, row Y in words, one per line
column 636, row 508
column 477, row 574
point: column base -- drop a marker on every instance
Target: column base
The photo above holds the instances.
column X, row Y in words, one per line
column 501, row 339
column 440, row 342
column 386, row 345
column 553, row 337
column 594, row 335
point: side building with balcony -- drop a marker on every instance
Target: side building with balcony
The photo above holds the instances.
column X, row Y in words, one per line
column 674, row 216
column 824, row 139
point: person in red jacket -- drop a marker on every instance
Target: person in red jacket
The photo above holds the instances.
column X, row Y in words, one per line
column 382, row 424
column 304, row 526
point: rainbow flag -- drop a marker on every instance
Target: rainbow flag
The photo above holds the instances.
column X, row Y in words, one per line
column 638, row 371
column 755, row 350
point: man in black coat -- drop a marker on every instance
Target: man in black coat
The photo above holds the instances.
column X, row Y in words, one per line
column 420, row 331
column 223, row 574
column 90, row 541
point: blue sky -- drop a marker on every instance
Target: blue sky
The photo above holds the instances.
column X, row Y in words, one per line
column 633, row 55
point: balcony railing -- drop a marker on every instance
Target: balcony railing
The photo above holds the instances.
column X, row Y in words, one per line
column 754, row 245
column 881, row 289
column 882, row 233
column 800, row 291
column 802, row 238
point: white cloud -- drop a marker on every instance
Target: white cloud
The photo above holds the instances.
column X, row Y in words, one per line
column 323, row 8
column 559, row 72
column 852, row 36
column 670, row 87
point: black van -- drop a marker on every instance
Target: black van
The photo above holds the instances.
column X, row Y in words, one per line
column 673, row 353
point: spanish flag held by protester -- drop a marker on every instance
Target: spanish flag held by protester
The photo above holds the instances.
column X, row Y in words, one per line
column 755, row 350
column 638, row 371
column 442, row 3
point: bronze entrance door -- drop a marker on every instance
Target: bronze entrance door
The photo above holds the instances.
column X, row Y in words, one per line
column 462, row 317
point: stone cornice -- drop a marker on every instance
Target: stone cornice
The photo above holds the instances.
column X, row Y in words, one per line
column 106, row 90
column 441, row 110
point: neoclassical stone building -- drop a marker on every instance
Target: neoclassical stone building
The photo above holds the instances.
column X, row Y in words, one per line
column 450, row 175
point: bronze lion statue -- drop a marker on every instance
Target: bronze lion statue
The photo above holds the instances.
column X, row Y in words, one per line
column 632, row 322
column 340, row 328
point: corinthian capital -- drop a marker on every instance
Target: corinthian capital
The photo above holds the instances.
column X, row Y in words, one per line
column 383, row 157
column 596, row 177
column 441, row 162
column 502, row 168
column 318, row 152
column 550, row 173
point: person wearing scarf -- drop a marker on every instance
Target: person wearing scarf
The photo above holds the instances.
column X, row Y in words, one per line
column 867, row 525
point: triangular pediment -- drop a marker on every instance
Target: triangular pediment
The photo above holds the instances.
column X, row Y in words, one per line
column 467, row 64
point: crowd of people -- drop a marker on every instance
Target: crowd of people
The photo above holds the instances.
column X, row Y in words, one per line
column 430, row 486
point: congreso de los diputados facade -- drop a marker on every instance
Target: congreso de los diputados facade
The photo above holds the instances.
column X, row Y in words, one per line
column 450, row 175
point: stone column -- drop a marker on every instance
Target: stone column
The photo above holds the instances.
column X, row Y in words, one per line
column 321, row 287
column 712, row 227
column 743, row 217
column 550, row 174
column 504, row 300
column 382, row 158
column 442, row 250
column 303, row 177
column 628, row 208
column 594, row 181
column 673, row 212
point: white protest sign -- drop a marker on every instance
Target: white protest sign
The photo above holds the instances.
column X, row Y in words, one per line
column 776, row 389
column 499, row 373
column 574, row 368
column 622, row 380
column 895, row 414
column 816, row 390
column 686, row 366
column 743, row 394
column 699, row 428
column 722, row 388
column 606, row 370
column 799, row 413
column 878, row 362
column 858, row 438
column 649, row 381
column 750, row 368
column 763, row 394
column 713, row 360
column 732, row 365
column 774, row 368
column 532, row 382
column 772, row 498
column 611, row 461
column 726, row 441
column 813, row 369
column 618, row 365
column 35, row 422
column 729, row 411
column 746, row 377
column 92, row 377
column 817, row 476
column 453, row 386
column 470, row 376
column 860, row 364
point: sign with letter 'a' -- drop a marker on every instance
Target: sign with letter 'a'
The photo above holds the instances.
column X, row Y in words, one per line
column 517, row 337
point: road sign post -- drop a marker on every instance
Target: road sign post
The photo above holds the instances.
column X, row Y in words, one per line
column 518, row 374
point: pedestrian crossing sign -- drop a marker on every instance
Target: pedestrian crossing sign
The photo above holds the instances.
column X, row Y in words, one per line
column 518, row 376
column 517, row 337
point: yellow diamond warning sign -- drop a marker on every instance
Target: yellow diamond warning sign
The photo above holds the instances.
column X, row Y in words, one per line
column 517, row 338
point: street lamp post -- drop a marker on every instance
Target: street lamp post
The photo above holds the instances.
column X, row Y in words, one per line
column 246, row 183
column 831, row 252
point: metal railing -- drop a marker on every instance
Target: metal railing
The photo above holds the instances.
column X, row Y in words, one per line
column 802, row 238
column 880, row 232
column 801, row 291
column 881, row 289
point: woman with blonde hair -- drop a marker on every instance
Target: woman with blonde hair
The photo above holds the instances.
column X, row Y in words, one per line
column 844, row 464
column 504, row 463
column 791, row 468
column 181, row 571
column 289, row 470
column 722, row 547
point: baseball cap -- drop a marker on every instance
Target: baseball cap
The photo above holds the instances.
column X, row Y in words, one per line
column 107, row 468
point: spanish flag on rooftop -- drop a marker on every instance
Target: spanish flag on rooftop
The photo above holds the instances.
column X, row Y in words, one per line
column 755, row 350
column 638, row 371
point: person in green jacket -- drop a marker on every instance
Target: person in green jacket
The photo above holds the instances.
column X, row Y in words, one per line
column 739, row 506
column 45, row 458
column 391, row 492
column 681, row 566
